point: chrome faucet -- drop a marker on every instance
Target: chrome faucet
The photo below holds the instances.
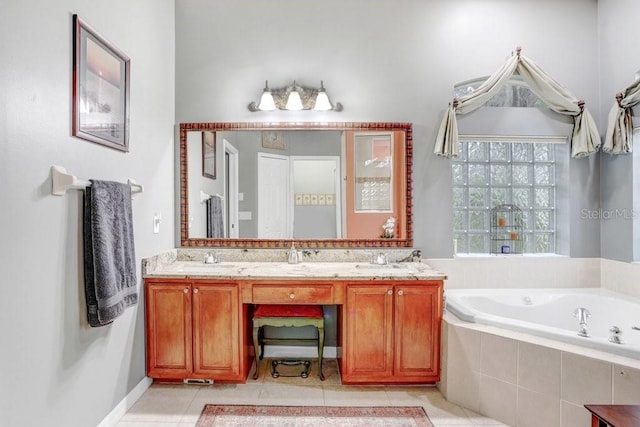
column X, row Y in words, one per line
column 414, row 256
column 615, row 335
column 380, row 258
column 211, row 258
column 582, row 314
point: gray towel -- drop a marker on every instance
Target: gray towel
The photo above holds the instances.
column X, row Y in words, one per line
column 109, row 256
column 215, row 225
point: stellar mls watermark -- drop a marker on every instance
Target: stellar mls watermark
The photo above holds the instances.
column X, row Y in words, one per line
column 622, row 213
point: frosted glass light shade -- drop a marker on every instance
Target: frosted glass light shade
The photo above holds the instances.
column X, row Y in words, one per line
column 294, row 102
column 322, row 102
column 266, row 101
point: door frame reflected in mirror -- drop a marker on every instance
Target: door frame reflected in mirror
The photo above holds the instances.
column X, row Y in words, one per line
column 186, row 241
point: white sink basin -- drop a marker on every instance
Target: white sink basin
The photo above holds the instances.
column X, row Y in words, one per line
column 204, row 267
column 382, row 267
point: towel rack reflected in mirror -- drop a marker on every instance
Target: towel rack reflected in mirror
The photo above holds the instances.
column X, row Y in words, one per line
column 61, row 181
column 204, row 196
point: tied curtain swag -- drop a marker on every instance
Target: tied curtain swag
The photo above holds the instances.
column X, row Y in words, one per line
column 585, row 139
column 619, row 125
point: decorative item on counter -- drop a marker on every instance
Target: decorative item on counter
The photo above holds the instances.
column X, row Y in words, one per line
column 389, row 228
column 211, row 258
column 293, row 254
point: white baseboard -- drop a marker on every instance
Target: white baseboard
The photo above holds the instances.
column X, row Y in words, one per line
column 269, row 351
column 298, row 351
column 125, row 404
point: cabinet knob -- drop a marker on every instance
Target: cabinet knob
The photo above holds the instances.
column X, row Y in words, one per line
column 390, row 292
column 185, row 290
column 195, row 290
column 400, row 292
column 292, row 295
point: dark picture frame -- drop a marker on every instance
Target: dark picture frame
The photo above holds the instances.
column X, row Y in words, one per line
column 101, row 75
column 209, row 154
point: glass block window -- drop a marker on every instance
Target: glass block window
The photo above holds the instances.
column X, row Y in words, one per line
column 492, row 173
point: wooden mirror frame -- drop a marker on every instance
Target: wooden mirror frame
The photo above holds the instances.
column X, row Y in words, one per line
column 185, row 241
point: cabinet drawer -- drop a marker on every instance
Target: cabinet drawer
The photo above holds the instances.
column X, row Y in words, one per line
column 281, row 294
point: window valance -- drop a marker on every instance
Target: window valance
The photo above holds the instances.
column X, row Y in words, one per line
column 619, row 134
column 585, row 139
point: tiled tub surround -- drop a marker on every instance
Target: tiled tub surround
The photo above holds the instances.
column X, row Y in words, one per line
column 523, row 380
column 519, row 271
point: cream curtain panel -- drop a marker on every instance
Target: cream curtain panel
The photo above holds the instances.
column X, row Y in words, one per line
column 585, row 140
column 619, row 134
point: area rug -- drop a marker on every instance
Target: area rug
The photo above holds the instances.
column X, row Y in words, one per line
column 312, row 416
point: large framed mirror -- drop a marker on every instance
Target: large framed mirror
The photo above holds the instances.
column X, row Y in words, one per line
column 322, row 185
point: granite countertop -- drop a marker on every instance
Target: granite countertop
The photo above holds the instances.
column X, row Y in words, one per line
column 308, row 270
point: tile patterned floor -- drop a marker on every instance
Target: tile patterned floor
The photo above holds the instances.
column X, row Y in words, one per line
column 178, row 405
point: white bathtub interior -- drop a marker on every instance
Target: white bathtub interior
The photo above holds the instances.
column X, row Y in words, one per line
column 550, row 313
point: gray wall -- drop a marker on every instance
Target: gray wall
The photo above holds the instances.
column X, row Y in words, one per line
column 397, row 61
column 618, row 67
column 55, row 370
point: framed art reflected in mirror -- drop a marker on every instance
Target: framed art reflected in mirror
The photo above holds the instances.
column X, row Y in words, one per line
column 209, row 154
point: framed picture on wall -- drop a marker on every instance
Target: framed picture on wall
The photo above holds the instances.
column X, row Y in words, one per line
column 273, row 139
column 209, row 154
column 101, row 75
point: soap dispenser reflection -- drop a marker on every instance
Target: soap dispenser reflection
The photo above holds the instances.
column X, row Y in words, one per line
column 293, row 254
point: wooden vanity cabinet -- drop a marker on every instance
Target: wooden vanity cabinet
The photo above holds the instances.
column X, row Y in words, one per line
column 388, row 330
column 391, row 332
column 195, row 330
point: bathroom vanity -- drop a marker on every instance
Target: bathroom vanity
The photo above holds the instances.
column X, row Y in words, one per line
column 198, row 317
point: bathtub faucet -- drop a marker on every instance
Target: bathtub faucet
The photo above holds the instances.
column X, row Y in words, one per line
column 615, row 335
column 582, row 314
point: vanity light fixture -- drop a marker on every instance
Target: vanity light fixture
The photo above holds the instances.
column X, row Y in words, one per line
column 294, row 98
column 266, row 100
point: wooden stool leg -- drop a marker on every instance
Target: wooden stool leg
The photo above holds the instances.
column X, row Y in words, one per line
column 256, row 346
column 320, row 351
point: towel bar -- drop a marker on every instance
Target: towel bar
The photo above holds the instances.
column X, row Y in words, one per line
column 204, row 196
column 61, row 181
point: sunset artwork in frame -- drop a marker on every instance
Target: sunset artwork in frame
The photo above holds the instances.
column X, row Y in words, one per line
column 101, row 75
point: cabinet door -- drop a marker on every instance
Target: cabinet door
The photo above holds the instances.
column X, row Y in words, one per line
column 168, row 330
column 369, row 333
column 417, row 343
column 216, row 331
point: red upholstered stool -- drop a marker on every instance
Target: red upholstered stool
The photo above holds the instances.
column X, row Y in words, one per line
column 287, row 315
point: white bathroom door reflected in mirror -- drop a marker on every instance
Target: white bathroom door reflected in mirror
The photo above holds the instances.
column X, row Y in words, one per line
column 231, row 179
column 317, row 197
column 274, row 197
